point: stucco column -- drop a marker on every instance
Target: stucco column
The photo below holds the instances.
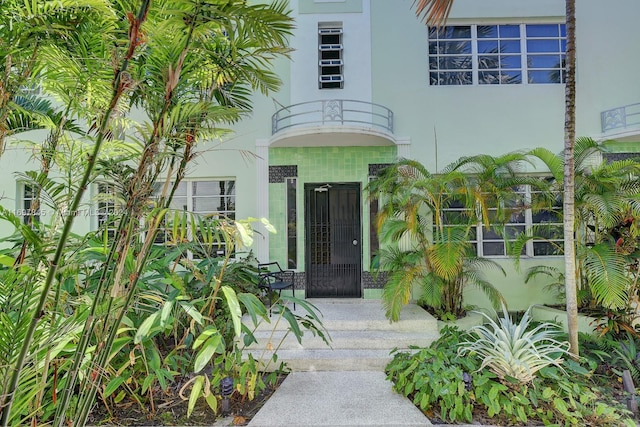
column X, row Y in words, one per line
column 262, row 197
column 403, row 147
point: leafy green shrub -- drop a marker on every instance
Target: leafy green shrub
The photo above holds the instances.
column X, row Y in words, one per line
column 627, row 356
column 516, row 350
column 443, row 383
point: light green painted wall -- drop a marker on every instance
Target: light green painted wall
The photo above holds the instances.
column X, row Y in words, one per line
column 457, row 120
column 518, row 294
column 320, row 165
column 466, row 120
column 607, row 71
column 17, row 159
column 330, row 6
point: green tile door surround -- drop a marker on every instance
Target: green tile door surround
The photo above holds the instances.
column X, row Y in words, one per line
column 320, row 165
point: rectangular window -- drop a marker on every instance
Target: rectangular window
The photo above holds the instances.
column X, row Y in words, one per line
column 213, row 199
column 106, row 202
column 546, row 46
column 497, row 238
column 330, row 60
column 457, row 214
column 528, row 213
column 374, row 243
column 547, row 224
column 450, row 58
column 26, row 209
column 497, row 54
column 292, row 224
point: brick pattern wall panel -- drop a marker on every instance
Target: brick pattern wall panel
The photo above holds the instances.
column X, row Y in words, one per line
column 300, row 280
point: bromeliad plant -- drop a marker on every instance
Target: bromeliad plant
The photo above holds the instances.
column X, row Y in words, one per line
column 453, row 387
column 516, row 350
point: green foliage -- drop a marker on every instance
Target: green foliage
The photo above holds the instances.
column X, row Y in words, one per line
column 443, row 382
column 607, row 215
column 627, row 356
column 516, row 350
column 247, row 373
column 616, row 324
column 129, row 313
column 425, row 226
column 434, row 377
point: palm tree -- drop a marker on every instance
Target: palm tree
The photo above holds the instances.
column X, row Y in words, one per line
column 428, row 224
column 191, row 66
column 27, row 28
column 606, row 201
column 435, row 12
column 438, row 259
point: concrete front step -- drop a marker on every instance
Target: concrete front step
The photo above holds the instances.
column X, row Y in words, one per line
column 334, row 360
column 359, row 315
column 361, row 337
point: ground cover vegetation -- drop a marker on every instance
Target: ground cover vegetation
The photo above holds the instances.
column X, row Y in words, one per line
column 508, row 373
column 127, row 94
column 503, row 372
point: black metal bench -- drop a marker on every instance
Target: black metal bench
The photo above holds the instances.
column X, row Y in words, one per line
column 274, row 278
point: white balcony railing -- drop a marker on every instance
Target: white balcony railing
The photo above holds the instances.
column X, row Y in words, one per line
column 333, row 112
column 620, row 118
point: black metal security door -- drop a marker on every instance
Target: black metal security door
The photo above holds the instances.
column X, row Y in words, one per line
column 333, row 240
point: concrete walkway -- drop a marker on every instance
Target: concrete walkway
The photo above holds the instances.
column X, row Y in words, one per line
column 350, row 398
column 346, row 384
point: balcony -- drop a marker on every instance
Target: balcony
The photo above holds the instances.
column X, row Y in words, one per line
column 621, row 122
column 333, row 122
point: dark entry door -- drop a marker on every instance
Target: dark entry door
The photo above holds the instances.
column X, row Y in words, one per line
column 333, row 240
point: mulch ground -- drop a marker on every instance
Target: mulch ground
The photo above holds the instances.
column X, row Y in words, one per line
column 171, row 410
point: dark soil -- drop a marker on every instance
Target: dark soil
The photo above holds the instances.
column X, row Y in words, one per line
column 171, row 410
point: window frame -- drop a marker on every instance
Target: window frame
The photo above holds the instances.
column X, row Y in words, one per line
column 107, row 204
column 327, row 64
column 191, row 198
column 529, row 251
column 24, row 204
column 439, row 57
column 291, row 218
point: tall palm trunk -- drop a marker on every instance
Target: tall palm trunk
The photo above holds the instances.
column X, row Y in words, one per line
column 435, row 12
column 569, row 180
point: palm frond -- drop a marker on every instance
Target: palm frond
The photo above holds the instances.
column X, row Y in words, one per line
column 585, row 148
column 606, row 272
column 432, row 288
column 433, row 12
column 405, row 271
column 553, row 162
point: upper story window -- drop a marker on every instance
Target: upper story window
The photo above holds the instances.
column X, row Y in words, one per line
column 497, row 54
column 330, row 61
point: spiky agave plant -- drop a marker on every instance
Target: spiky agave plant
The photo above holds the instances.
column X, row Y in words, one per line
column 516, row 350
